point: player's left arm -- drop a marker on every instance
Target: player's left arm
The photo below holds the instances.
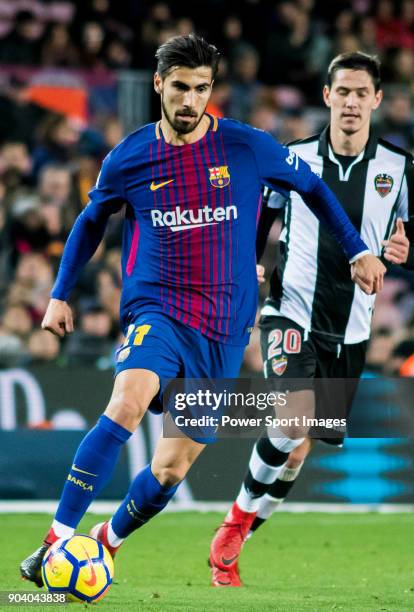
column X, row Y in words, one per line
column 409, row 233
column 399, row 248
column 281, row 168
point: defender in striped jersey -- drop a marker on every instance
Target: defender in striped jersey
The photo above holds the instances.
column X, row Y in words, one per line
column 316, row 323
column 191, row 187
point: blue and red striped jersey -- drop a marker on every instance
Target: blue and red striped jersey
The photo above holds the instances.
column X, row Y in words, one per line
column 190, row 223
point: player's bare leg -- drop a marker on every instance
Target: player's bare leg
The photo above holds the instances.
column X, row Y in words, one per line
column 151, row 490
column 132, row 394
column 96, row 458
column 173, row 457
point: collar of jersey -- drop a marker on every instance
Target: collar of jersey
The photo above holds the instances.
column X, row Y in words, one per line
column 325, row 144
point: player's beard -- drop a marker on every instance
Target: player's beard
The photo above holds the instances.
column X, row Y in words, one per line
column 351, row 129
column 178, row 126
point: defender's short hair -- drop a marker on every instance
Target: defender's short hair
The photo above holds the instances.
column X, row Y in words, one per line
column 190, row 51
column 357, row 60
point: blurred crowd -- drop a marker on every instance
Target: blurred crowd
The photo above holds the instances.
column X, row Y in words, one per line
column 274, row 60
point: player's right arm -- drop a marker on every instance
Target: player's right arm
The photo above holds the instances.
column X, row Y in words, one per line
column 58, row 318
column 106, row 198
column 272, row 209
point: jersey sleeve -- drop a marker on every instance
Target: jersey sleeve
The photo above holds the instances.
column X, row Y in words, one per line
column 282, row 170
column 106, row 198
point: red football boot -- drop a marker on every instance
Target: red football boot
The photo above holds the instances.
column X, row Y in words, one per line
column 225, row 578
column 227, row 544
column 100, row 533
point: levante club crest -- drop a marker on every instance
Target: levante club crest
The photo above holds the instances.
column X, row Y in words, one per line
column 383, row 184
column 279, row 365
column 219, row 176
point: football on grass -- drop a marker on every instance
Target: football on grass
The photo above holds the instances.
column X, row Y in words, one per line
column 81, row 567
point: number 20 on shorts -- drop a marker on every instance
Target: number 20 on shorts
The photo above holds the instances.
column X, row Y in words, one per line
column 138, row 332
column 288, row 341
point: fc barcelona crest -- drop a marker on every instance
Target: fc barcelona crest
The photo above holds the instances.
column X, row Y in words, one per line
column 219, row 176
column 383, row 184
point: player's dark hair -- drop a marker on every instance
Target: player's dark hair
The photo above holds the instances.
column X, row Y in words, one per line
column 190, row 51
column 356, row 61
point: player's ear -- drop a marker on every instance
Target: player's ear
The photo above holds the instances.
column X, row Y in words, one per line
column 378, row 99
column 157, row 83
column 326, row 93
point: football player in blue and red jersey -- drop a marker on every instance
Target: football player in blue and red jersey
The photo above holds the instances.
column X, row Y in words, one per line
column 190, row 186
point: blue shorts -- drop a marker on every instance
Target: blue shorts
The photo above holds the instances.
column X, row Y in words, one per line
column 159, row 343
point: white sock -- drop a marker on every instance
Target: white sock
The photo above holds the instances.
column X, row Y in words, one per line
column 112, row 537
column 61, row 530
column 268, row 505
column 261, row 471
column 245, row 502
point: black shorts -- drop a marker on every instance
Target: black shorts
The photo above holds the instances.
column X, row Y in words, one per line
column 311, row 362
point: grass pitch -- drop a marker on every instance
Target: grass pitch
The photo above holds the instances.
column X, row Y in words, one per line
column 314, row 562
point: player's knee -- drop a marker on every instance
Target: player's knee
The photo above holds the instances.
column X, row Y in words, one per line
column 294, row 461
column 285, row 444
column 298, row 455
column 168, row 476
column 126, row 409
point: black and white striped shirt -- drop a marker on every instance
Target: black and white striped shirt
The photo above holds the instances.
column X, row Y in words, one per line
column 312, row 283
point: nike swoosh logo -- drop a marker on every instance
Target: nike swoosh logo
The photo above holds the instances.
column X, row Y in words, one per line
column 155, row 186
column 180, row 228
column 228, row 561
column 223, row 583
column 92, row 580
column 75, row 469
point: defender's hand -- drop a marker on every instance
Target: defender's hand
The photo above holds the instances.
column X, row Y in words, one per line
column 368, row 273
column 260, row 271
column 58, row 318
column 397, row 247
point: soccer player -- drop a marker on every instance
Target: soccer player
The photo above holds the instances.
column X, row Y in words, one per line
column 191, row 188
column 328, row 317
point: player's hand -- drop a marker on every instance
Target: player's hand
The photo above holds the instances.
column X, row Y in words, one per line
column 58, row 318
column 397, row 247
column 368, row 273
column 260, row 271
